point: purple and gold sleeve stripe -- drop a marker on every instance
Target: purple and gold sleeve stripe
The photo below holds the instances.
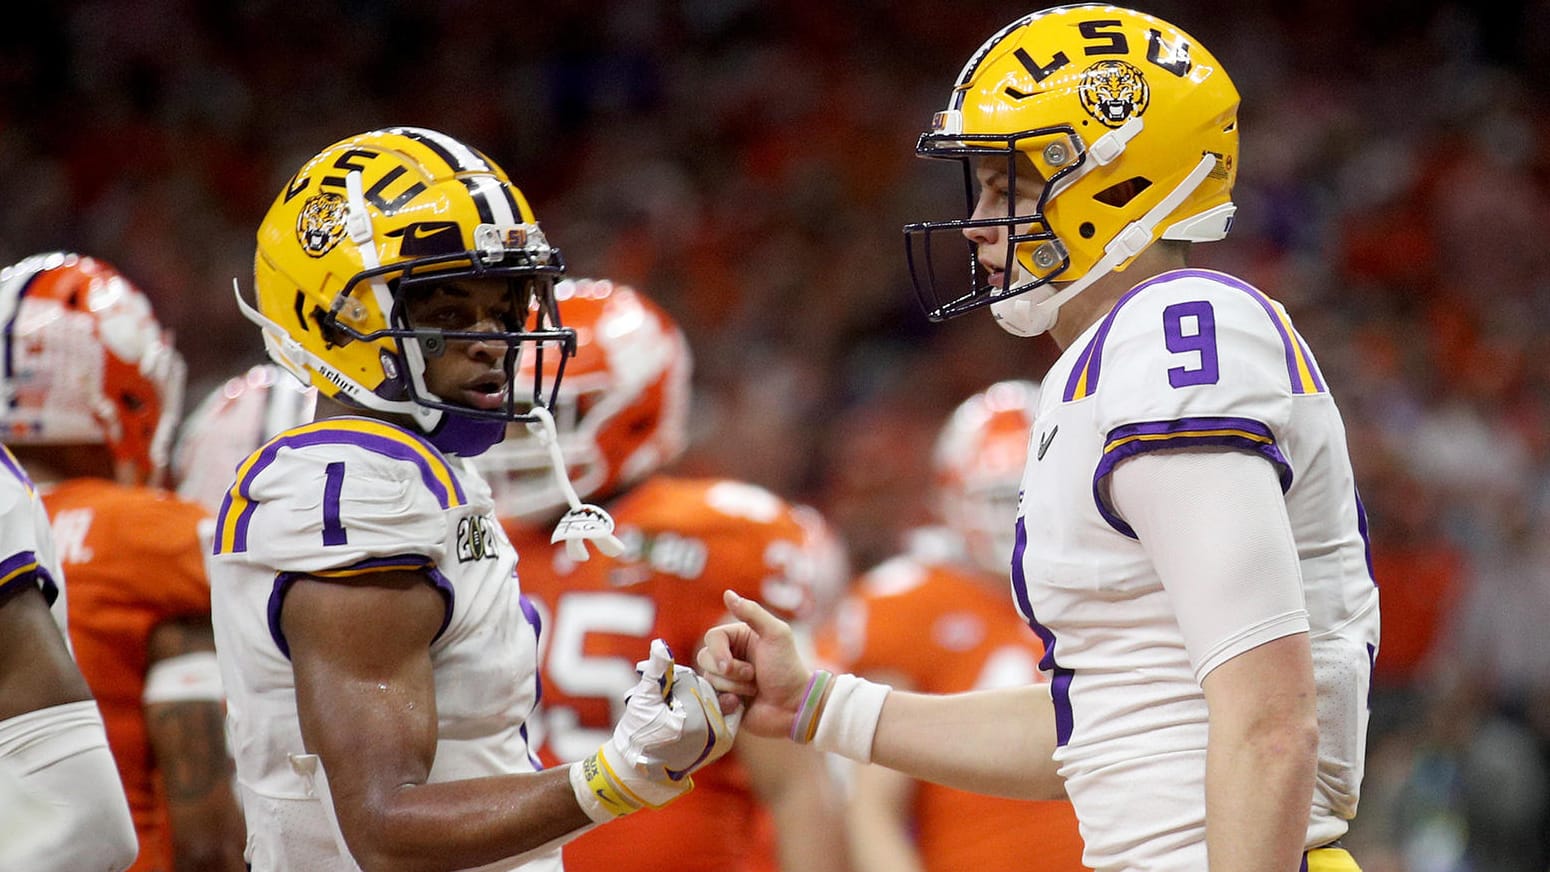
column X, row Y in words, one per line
column 1301, row 370
column 9, row 462
column 1236, row 433
column 284, row 580
column 23, row 568
column 374, row 436
column 1300, row 367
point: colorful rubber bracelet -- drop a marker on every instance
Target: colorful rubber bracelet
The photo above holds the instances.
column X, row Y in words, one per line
column 806, row 723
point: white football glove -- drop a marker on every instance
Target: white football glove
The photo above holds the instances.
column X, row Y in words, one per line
column 672, row 726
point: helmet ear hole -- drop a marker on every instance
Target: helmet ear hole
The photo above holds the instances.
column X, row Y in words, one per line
column 1087, row 230
column 1121, row 193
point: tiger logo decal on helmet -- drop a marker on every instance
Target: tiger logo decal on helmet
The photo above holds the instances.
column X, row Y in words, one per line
column 321, row 223
column 1113, row 92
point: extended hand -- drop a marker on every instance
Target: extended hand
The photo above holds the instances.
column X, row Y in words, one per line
column 672, row 726
column 754, row 664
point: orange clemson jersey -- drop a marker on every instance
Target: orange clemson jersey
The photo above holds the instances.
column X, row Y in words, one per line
column 686, row 541
column 944, row 630
column 132, row 557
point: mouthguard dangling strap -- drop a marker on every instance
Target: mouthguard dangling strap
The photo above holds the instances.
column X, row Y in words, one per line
column 584, row 522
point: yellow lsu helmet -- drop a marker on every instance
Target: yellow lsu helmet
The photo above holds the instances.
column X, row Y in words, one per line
column 1128, row 123
column 368, row 219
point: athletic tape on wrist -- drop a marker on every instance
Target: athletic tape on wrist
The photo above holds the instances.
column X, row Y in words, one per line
column 599, row 792
column 847, row 723
column 603, row 795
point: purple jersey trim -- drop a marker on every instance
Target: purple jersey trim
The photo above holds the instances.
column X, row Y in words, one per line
column 284, row 580
column 1133, row 439
column 1361, row 528
column 23, row 567
column 392, row 442
column 1060, row 676
column 9, row 462
column 1083, row 381
column 530, row 612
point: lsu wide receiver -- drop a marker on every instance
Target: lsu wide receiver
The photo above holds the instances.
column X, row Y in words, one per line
column 379, row 658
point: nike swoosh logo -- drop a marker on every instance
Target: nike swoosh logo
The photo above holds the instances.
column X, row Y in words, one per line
column 1046, row 439
column 422, row 232
column 430, row 238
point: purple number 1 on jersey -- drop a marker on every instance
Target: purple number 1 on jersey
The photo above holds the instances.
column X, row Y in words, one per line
column 333, row 481
column 1201, row 340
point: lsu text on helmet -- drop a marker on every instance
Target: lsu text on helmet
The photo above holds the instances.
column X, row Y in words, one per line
column 621, row 413
column 371, row 220
column 230, row 423
column 86, row 362
column 978, row 468
column 1125, row 124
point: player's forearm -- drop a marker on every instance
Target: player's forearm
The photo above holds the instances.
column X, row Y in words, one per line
column 881, row 848
column 808, row 840
column 207, row 834
column 188, row 741
column 461, row 824
column 1259, row 785
column 878, row 819
column 997, row 742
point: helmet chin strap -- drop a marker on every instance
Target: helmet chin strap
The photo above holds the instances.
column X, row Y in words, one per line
column 1025, row 315
column 294, row 358
column 583, row 523
column 358, row 227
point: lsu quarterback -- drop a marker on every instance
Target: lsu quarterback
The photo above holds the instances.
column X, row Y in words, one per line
column 1190, row 544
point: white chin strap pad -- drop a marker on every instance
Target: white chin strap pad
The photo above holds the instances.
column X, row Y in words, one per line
column 1023, row 316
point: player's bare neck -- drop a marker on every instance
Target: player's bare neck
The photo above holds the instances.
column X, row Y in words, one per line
column 329, row 407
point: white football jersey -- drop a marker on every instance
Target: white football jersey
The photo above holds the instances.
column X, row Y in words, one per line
column 1189, row 358
column 338, row 497
column 27, row 554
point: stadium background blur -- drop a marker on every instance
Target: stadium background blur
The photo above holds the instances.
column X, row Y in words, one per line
column 750, row 165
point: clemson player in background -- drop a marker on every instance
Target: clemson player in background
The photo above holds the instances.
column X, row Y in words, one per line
column 938, row 618
column 97, row 390
column 622, row 415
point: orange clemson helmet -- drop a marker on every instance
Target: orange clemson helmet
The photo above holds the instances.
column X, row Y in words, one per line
column 87, row 362
column 621, row 412
column 978, row 466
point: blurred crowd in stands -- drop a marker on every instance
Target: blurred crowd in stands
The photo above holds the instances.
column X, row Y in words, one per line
column 750, row 164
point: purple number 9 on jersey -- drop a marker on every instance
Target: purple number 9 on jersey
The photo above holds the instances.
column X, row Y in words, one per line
column 1201, row 339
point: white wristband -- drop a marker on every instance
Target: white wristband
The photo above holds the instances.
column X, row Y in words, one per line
column 580, row 782
column 848, row 722
column 192, row 677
